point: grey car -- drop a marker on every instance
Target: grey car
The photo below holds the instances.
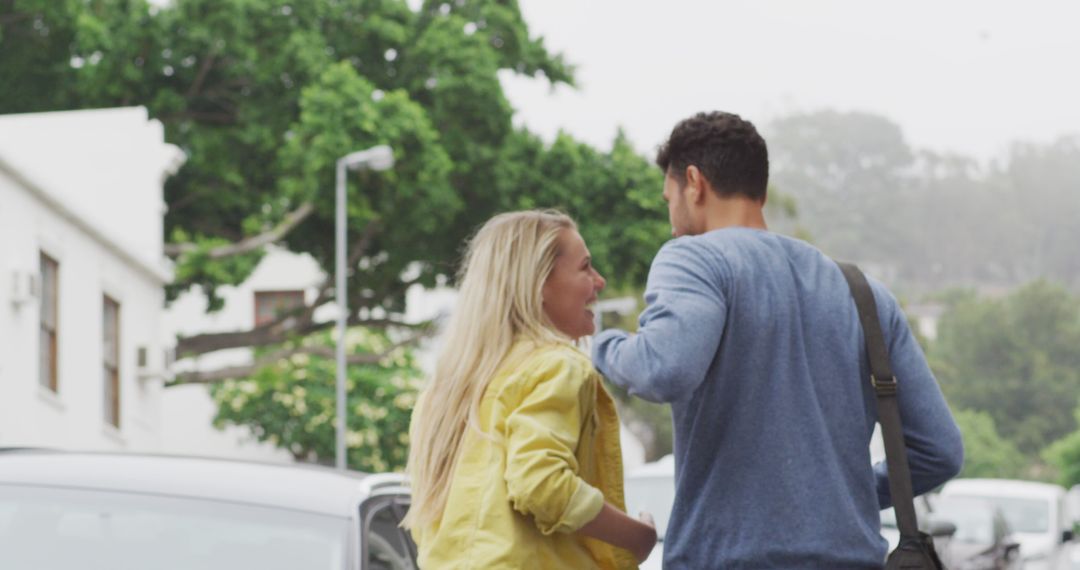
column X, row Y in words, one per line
column 62, row 510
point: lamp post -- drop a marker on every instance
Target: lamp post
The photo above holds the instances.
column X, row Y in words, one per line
column 376, row 158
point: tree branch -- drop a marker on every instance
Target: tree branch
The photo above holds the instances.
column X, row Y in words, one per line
column 361, row 246
column 292, row 219
column 202, row 116
column 243, row 371
column 12, row 18
column 357, row 250
column 274, row 333
column 296, row 322
column 204, row 69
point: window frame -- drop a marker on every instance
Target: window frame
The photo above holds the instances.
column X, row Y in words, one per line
column 49, row 332
column 271, row 296
column 110, row 362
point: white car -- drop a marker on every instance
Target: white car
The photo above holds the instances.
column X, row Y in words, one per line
column 1037, row 513
column 650, row 488
column 105, row 511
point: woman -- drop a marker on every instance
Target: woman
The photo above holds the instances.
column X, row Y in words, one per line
column 515, row 459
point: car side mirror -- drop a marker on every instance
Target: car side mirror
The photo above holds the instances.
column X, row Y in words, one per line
column 1067, row 536
column 940, row 529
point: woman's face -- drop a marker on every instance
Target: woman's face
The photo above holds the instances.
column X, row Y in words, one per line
column 572, row 286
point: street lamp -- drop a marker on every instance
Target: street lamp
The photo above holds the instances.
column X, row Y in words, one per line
column 375, row 158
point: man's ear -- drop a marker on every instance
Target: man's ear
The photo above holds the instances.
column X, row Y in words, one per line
column 696, row 185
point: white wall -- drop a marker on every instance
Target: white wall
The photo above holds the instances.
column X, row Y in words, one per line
column 73, row 417
column 188, row 410
column 85, row 187
column 106, row 164
column 187, row 429
column 279, row 270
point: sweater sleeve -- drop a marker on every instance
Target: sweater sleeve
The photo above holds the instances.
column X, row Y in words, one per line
column 678, row 333
column 542, row 432
column 935, row 449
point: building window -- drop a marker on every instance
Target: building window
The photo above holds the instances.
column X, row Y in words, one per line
column 271, row 305
column 47, row 337
column 111, row 360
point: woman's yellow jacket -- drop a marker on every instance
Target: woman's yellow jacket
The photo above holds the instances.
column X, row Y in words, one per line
column 548, row 462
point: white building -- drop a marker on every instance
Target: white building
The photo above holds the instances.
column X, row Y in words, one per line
column 81, row 278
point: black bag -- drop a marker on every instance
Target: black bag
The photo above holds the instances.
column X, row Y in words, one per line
column 916, row 549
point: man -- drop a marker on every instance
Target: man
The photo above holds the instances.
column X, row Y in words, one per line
column 755, row 341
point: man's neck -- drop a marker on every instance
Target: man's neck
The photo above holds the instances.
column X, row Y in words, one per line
column 735, row 212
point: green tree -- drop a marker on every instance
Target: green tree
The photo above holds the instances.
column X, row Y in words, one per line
column 265, row 95
column 1064, row 455
column 1014, row 358
column 290, row 400
column 986, row 453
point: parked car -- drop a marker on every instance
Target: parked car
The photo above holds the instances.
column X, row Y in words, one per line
column 62, row 510
column 651, row 488
column 982, row 538
column 1036, row 512
column 938, row 529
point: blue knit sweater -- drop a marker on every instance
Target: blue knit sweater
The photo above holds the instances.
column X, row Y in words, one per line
column 755, row 341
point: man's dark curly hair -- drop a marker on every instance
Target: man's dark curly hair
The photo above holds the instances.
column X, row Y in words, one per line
column 726, row 149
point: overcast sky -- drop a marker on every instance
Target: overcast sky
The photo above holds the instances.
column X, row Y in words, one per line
column 960, row 75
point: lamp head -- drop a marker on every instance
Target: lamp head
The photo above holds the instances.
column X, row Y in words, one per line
column 375, row 158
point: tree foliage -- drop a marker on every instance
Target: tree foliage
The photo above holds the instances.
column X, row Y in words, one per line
column 1064, row 455
column 986, row 453
column 291, row 402
column 264, row 96
column 1014, row 358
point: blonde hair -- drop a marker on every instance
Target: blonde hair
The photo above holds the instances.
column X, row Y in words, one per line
column 499, row 303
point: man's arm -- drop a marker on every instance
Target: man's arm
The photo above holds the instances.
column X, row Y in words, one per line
column 678, row 333
column 935, row 448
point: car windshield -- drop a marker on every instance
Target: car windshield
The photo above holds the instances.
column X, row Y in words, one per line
column 51, row 529
column 1024, row 515
column 974, row 518
column 653, row 494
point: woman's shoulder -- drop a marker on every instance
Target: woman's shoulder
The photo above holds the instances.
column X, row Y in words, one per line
column 551, row 362
column 559, row 356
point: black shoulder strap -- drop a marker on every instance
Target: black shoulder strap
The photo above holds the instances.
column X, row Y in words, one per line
column 884, row 383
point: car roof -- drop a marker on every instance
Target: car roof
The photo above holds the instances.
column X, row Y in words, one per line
column 309, row 488
column 663, row 467
column 1003, row 488
column 962, row 501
